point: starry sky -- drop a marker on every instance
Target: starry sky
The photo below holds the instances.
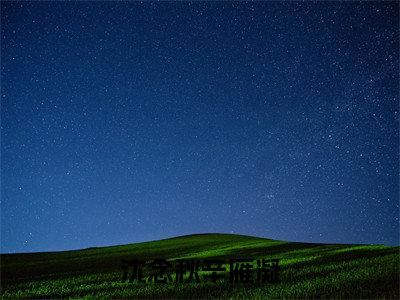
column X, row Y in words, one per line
column 130, row 121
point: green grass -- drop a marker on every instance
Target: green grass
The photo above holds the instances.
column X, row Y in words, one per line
column 307, row 270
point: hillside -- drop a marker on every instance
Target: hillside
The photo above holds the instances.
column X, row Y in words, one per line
column 307, row 270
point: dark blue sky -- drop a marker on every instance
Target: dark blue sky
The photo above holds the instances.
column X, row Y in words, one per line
column 128, row 122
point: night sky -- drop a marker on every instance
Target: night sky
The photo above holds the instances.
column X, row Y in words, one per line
column 129, row 122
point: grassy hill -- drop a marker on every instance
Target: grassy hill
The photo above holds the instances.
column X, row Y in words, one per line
column 307, row 270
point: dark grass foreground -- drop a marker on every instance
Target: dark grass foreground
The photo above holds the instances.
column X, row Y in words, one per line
column 307, row 270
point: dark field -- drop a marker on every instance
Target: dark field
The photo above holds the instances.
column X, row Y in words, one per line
column 307, row 270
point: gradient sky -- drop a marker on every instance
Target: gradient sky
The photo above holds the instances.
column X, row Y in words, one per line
column 129, row 122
